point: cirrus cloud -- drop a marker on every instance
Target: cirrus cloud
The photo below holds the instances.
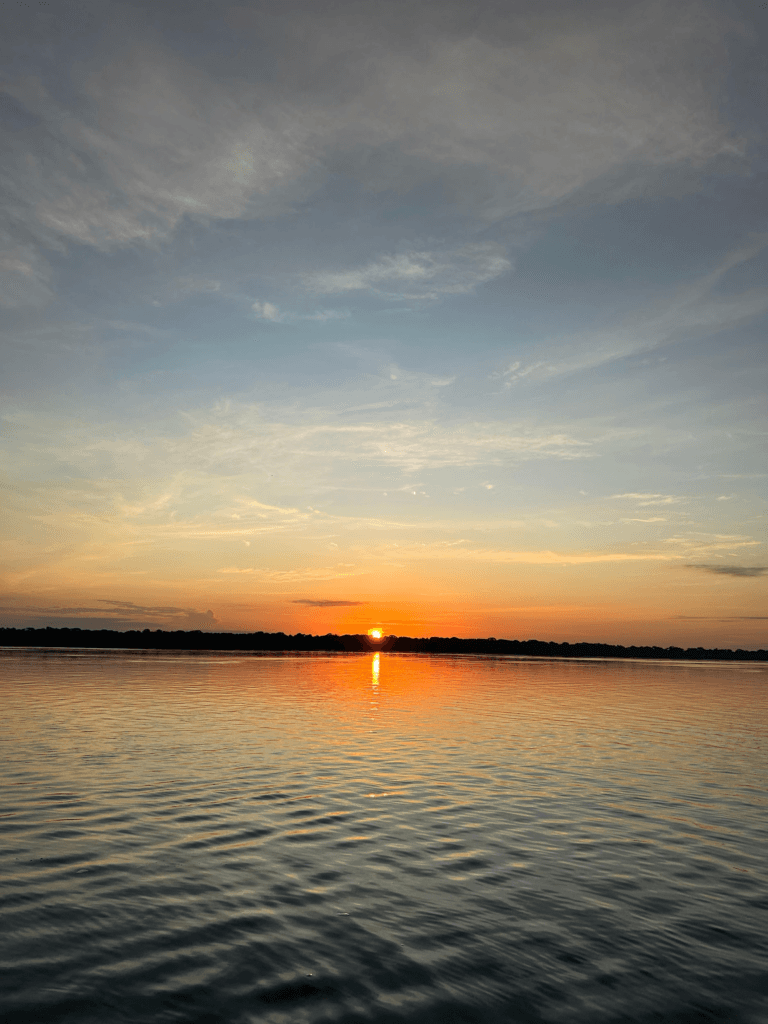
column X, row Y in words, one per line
column 419, row 274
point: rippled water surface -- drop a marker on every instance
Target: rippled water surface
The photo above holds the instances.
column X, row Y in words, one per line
column 204, row 837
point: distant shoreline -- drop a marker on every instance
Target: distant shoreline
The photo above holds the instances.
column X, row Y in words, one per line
column 357, row 642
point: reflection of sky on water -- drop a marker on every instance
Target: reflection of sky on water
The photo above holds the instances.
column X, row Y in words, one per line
column 489, row 826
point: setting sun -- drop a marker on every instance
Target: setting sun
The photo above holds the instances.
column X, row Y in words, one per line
column 374, row 634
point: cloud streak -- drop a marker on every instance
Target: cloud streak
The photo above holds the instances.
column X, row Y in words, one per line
column 269, row 311
column 419, row 275
column 110, row 614
column 148, row 472
column 281, row 576
column 737, row 571
column 239, row 436
column 441, row 551
column 644, row 500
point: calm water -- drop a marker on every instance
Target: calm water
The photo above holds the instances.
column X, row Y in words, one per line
column 202, row 837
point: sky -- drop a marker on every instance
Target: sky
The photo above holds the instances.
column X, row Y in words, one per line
column 447, row 318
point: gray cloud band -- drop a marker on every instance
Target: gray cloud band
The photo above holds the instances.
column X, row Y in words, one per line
column 743, row 571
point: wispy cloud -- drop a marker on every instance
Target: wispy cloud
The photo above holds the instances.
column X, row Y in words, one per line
column 114, row 495
column 325, row 314
column 693, row 307
column 151, row 140
column 108, row 613
column 512, row 117
column 269, row 311
column 431, row 550
column 517, row 371
column 292, row 575
column 699, row 543
column 240, row 436
column 649, row 519
column 649, row 499
column 24, row 274
column 525, row 111
column 739, row 571
column 328, row 604
column 419, row 275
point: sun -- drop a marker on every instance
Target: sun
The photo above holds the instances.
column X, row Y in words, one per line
column 375, row 634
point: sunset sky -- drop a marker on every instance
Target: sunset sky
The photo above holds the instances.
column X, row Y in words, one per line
column 447, row 318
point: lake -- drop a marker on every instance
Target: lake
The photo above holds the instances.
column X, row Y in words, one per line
column 350, row 838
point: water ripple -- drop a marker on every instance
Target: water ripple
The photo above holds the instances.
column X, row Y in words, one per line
column 475, row 840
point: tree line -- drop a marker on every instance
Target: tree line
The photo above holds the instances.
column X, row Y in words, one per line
column 197, row 640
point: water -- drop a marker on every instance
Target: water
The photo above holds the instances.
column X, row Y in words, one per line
column 349, row 838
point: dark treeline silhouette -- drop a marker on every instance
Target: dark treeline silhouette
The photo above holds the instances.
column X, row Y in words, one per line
column 159, row 639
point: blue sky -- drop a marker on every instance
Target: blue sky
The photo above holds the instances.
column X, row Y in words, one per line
column 449, row 316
